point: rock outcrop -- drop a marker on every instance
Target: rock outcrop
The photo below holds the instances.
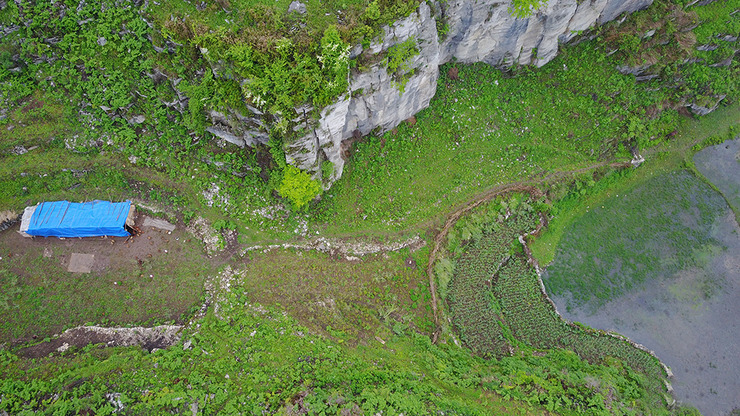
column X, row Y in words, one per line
column 476, row 31
column 374, row 99
column 485, row 31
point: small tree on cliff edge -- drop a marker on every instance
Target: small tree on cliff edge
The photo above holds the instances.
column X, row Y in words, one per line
column 298, row 187
column 525, row 8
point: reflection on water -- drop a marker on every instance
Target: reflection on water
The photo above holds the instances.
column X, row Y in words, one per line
column 721, row 165
column 688, row 317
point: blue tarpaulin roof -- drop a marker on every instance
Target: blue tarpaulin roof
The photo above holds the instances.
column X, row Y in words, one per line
column 87, row 219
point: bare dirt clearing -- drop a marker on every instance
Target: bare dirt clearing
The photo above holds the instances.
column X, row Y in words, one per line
column 154, row 277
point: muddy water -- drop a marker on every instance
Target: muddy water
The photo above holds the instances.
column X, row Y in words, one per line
column 689, row 317
column 721, row 165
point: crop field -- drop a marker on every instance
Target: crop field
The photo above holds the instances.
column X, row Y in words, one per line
column 497, row 305
column 610, row 251
column 476, row 315
column 534, row 322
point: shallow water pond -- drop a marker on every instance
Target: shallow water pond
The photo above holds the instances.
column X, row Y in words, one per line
column 721, row 165
column 668, row 254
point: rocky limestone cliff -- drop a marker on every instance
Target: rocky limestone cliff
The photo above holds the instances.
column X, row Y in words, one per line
column 374, row 100
column 477, row 31
column 485, row 31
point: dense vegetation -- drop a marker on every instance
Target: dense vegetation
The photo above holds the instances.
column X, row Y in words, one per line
column 111, row 100
column 249, row 359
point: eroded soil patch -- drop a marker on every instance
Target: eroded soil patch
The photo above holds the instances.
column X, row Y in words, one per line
column 148, row 338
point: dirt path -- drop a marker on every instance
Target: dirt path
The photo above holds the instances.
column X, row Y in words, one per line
column 529, row 186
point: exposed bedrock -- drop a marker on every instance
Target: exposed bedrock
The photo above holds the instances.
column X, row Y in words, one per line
column 476, row 31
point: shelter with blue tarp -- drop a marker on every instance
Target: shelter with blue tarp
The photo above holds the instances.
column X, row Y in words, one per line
column 84, row 219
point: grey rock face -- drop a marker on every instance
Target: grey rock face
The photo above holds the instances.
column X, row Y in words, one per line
column 485, row 31
column 478, row 31
column 374, row 99
column 236, row 128
column 707, row 105
column 297, row 7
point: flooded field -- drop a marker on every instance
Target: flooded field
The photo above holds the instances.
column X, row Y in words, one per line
column 661, row 265
column 721, row 165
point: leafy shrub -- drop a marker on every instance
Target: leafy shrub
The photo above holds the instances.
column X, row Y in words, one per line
column 397, row 61
column 444, row 269
column 327, row 170
column 629, row 43
column 298, row 187
column 224, row 225
column 285, row 76
column 525, row 8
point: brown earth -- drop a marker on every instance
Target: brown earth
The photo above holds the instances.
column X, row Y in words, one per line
column 155, row 276
column 75, row 338
column 108, row 251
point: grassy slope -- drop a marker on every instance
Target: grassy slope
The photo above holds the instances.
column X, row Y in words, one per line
column 257, row 360
column 488, row 129
column 351, row 300
column 667, row 158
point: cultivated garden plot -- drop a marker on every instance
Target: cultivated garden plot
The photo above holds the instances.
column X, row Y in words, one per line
column 498, row 308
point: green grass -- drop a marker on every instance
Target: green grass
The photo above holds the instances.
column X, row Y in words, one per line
column 483, row 130
column 258, row 360
column 349, row 300
column 34, row 122
column 666, row 158
column 489, row 129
